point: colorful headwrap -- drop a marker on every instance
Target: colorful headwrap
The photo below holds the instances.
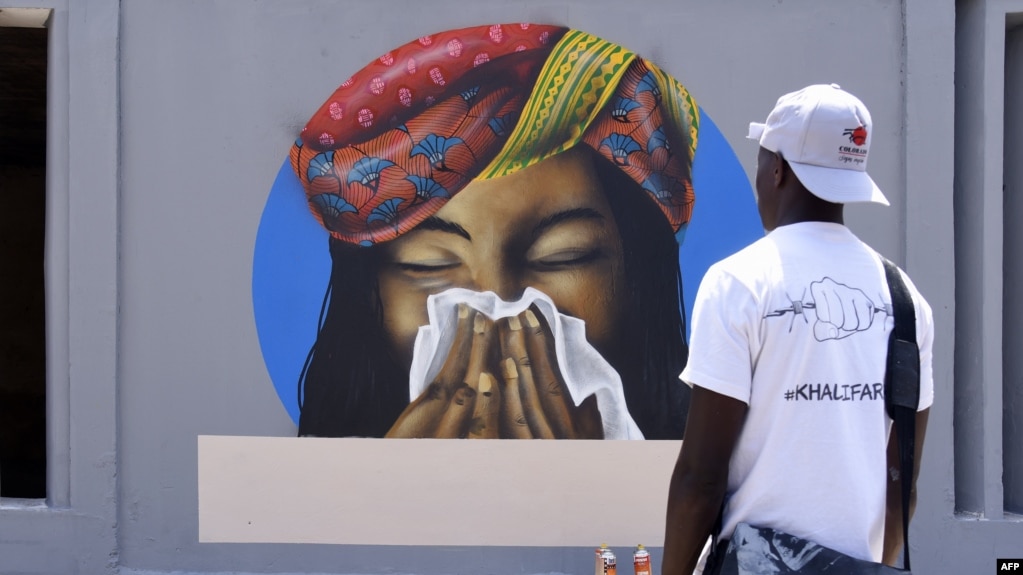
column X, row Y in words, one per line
column 406, row 133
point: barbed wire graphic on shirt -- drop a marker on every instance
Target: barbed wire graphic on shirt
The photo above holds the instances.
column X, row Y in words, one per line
column 839, row 310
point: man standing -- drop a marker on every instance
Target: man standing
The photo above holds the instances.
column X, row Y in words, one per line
column 787, row 426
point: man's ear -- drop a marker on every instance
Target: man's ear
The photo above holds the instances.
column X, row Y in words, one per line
column 781, row 172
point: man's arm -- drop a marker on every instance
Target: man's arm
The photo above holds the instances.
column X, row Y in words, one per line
column 700, row 478
column 893, row 536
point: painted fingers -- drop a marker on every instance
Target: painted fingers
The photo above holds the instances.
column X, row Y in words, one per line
column 544, row 404
column 500, row 380
column 446, row 407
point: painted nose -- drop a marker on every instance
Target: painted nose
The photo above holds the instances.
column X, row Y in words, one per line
column 500, row 280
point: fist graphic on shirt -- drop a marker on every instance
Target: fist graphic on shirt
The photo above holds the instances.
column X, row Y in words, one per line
column 841, row 310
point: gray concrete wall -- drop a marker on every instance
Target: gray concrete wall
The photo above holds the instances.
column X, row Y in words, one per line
column 178, row 116
column 986, row 393
column 230, row 101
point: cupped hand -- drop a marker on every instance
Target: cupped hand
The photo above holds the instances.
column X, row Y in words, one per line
column 448, row 405
column 500, row 380
column 536, row 402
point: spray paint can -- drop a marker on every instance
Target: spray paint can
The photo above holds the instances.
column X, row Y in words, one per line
column 641, row 561
column 605, row 561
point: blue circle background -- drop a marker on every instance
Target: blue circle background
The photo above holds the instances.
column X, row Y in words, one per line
column 291, row 264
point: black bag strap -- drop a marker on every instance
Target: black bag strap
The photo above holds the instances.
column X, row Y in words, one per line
column 902, row 386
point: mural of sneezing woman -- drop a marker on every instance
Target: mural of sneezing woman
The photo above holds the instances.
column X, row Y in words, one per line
column 498, row 158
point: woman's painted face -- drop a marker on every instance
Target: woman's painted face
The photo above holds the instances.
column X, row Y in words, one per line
column 548, row 226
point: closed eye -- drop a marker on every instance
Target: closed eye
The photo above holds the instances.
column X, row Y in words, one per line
column 568, row 258
column 425, row 267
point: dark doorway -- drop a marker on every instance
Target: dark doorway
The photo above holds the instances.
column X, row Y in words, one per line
column 23, row 60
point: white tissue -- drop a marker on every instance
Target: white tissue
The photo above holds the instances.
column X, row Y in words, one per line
column 584, row 370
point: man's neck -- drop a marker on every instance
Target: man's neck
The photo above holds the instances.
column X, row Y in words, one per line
column 806, row 207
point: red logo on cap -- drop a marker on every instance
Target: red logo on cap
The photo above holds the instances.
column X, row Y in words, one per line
column 857, row 136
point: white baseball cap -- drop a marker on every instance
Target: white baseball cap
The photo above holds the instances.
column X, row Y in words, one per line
column 824, row 133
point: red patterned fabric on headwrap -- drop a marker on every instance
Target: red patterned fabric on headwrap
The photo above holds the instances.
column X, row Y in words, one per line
column 409, row 131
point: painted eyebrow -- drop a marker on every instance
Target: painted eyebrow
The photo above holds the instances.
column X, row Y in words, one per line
column 565, row 216
column 442, row 225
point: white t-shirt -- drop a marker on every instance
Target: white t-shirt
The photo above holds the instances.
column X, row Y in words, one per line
column 796, row 326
